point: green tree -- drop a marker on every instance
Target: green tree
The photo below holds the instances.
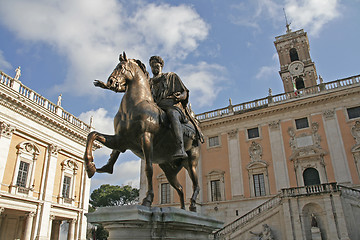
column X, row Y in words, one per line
column 114, row 195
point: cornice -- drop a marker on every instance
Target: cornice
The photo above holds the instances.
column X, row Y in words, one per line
column 44, row 117
column 296, row 103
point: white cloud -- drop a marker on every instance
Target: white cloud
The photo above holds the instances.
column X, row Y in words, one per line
column 204, row 81
column 4, row 65
column 91, row 34
column 309, row 14
column 124, row 173
column 312, row 14
column 266, row 71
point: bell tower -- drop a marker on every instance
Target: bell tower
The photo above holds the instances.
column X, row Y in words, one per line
column 297, row 70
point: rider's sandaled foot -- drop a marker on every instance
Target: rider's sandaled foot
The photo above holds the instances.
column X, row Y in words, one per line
column 107, row 168
column 180, row 153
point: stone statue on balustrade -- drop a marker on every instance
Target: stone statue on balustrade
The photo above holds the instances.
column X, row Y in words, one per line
column 17, row 73
column 265, row 234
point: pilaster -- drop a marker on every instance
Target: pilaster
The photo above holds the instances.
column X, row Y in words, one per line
column 237, row 185
column 278, row 156
column 336, row 147
column 6, row 132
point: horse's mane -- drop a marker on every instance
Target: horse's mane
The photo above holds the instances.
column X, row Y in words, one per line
column 142, row 67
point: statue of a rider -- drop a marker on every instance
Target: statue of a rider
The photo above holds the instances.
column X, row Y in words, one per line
column 171, row 95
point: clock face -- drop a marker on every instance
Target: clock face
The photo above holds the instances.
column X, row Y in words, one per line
column 296, row 68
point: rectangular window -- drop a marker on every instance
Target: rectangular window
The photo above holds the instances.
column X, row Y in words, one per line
column 215, row 190
column 253, row 133
column 66, row 187
column 302, row 123
column 22, row 174
column 165, row 193
column 353, row 112
column 214, row 141
column 259, row 184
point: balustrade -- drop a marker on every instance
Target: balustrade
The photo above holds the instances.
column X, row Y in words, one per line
column 29, row 94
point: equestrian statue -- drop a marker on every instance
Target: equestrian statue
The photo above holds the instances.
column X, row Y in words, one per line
column 154, row 122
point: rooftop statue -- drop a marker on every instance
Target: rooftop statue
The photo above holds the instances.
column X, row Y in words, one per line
column 154, row 122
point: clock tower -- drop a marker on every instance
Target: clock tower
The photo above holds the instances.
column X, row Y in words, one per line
column 297, row 70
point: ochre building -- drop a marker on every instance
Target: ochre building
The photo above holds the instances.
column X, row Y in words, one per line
column 44, row 189
column 291, row 161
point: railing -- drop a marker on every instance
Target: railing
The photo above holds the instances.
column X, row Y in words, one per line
column 309, row 190
column 275, row 201
column 248, row 216
column 265, row 102
column 348, row 191
column 41, row 101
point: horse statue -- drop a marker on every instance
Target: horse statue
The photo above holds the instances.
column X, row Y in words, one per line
column 141, row 126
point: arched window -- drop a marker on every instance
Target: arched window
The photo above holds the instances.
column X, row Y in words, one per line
column 299, row 82
column 311, row 177
column 294, row 55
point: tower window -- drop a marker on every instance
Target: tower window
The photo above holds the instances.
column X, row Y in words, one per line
column 299, row 82
column 294, row 55
column 353, row 112
column 311, row 177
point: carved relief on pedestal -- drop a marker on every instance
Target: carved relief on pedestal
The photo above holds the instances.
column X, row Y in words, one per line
column 6, row 130
column 355, row 132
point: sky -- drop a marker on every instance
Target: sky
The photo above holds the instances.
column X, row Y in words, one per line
column 220, row 49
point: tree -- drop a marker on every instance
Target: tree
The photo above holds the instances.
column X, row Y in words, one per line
column 114, row 195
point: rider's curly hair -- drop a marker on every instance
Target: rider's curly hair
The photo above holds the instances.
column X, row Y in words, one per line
column 157, row 59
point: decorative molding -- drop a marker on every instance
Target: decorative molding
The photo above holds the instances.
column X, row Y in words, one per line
column 6, row 130
column 274, row 125
column 255, row 152
column 30, row 214
column 233, row 133
column 329, row 114
column 53, row 149
column 355, row 132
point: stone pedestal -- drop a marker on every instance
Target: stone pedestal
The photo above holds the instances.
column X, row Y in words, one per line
column 140, row 222
column 315, row 233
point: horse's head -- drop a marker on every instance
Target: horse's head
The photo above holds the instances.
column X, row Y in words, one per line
column 124, row 72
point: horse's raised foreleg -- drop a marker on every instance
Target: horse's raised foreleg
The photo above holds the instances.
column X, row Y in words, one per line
column 192, row 164
column 171, row 175
column 147, row 148
column 108, row 140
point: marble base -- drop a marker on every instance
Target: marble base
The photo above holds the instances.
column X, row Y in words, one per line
column 140, row 222
column 315, row 233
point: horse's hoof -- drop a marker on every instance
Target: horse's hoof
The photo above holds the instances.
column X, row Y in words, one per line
column 192, row 208
column 105, row 169
column 146, row 203
column 90, row 169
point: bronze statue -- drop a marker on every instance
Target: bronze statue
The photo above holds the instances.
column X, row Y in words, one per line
column 143, row 127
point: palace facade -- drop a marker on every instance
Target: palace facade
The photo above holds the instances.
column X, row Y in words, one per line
column 291, row 161
column 44, row 188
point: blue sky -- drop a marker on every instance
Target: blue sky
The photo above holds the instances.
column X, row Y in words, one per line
column 220, row 49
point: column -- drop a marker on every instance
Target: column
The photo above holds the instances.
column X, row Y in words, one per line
column 28, row 225
column 1, row 217
column 278, row 156
column 336, row 147
column 237, row 185
column 71, row 232
column 6, row 131
column 51, row 219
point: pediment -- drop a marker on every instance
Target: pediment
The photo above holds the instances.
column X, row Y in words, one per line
column 257, row 164
column 307, row 152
